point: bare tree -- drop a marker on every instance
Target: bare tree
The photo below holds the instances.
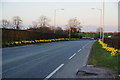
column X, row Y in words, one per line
column 74, row 25
column 5, row 23
column 79, row 28
column 17, row 21
column 43, row 21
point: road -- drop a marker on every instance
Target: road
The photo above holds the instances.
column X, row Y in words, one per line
column 49, row 60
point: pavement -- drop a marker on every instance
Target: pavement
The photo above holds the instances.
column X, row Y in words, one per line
column 94, row 72
column 49, row 60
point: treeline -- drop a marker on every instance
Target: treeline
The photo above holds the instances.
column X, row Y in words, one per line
column 9, row 35
column 12, row 30
column 41, row 24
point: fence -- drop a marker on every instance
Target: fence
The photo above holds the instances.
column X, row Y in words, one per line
column 113, row 42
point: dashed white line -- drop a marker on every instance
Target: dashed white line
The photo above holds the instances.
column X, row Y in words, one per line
column 50, row 75
column 79, row 50
column 72, row 56
column 85, row 45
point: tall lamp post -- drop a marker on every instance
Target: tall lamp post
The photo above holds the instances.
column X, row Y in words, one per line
column 55, row 17
column 103, row 20
column 100, row 21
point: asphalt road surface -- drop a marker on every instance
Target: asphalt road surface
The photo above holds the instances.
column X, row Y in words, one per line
column 49, row 60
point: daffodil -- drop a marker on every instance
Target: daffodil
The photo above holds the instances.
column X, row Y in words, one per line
column 110, row 49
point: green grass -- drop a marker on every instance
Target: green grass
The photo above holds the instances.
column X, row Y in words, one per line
column 92, row 35
column 100, row 57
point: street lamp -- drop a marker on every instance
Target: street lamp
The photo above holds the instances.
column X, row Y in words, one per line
column 103, row 19
column 100, row 21
column 55, row 17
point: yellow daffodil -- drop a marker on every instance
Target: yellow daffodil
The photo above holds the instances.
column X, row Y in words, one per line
column 110, row 49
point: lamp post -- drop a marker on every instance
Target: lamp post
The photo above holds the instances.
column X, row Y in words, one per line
column 100, row 21
column 103, row 20
column 55, row 17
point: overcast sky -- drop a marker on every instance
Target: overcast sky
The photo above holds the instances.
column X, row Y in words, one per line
column 31, row 10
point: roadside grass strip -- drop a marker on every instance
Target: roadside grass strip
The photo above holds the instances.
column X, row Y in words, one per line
column 104, row 56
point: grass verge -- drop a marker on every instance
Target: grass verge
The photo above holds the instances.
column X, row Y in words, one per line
column 100, row 57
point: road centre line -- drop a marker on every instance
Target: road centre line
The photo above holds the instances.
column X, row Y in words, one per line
column 79, row 50
column 86, row 45
column 72, row 56
column 51, row 74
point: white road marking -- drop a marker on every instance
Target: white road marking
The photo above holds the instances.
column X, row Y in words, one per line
column 79, row 50
column 86, row 45
column 50, row 75
column 72, row 56
column 84, row 64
